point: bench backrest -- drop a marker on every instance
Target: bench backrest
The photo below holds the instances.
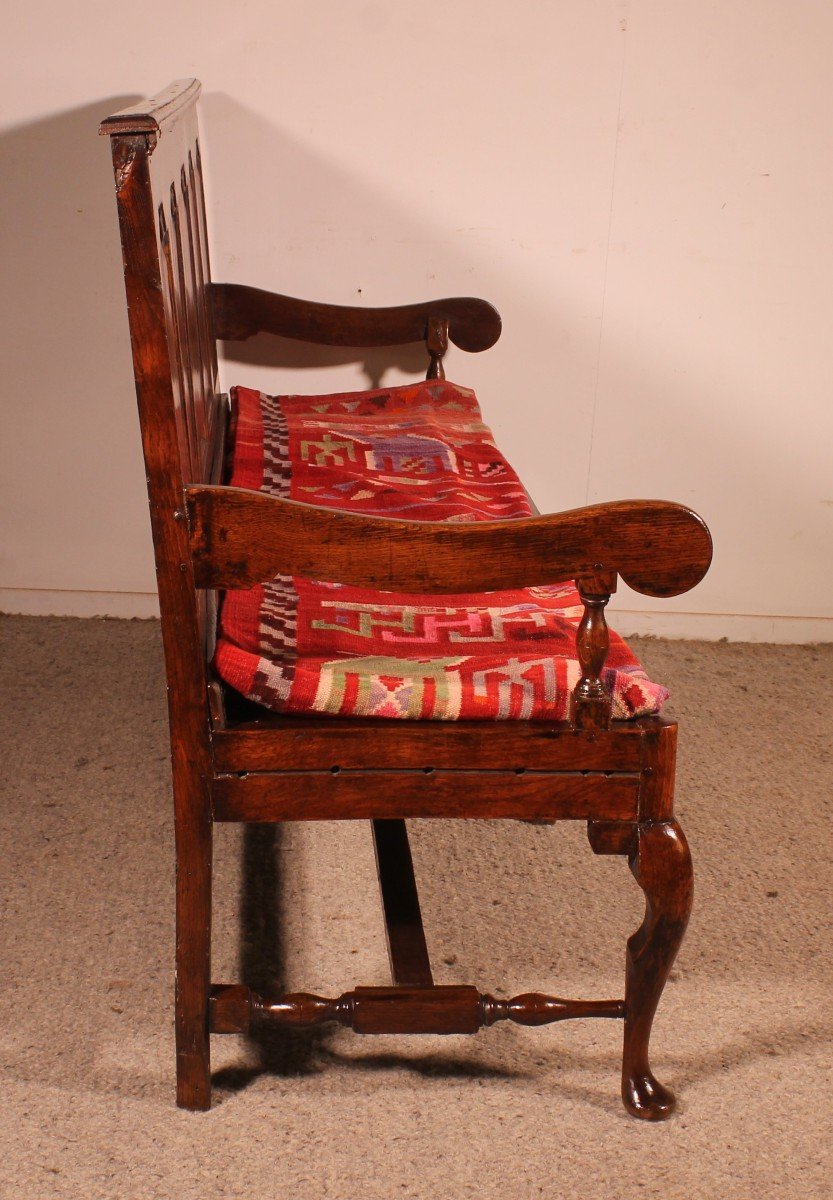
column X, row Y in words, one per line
column 161, row 206
column 159, row 188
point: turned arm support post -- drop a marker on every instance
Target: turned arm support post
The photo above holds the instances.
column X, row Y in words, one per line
column 436, row 339
column 591, row 704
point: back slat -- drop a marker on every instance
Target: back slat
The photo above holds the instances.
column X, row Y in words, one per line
column 203, row 279
column 206, row 382
column 191, row 299
column 199, row 193
column 184, row 327
column 178, row 379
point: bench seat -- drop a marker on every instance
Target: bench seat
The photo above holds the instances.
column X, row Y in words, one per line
column 422, row 452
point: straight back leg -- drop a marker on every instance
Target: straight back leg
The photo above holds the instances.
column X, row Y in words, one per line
column 193, row 942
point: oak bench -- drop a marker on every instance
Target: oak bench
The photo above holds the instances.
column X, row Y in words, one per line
column 232, row 762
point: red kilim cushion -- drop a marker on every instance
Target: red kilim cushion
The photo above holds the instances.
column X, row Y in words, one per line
column 419, row 452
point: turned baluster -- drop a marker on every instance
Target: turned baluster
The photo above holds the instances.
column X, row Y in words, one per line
column 436, row 339
column 534, row 1008
column 591, row 704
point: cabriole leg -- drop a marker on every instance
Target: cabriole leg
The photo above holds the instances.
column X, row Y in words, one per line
column 193, row 961
column 661, row 865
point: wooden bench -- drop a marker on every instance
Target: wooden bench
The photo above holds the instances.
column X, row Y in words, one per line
column 232, row 762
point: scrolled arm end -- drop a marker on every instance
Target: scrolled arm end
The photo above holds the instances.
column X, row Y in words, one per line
column 667, row 553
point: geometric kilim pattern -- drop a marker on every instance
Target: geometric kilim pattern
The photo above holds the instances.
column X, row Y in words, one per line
column 277, row 473
column 420, row 451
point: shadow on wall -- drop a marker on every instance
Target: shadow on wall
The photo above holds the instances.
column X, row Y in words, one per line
column 344, row 222
column 340, row 249
column 67, row 375
column 61, row 252
column 283, row 354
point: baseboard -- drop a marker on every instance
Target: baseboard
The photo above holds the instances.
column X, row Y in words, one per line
column 714, row 627
column 708, row 627
column 35, row 602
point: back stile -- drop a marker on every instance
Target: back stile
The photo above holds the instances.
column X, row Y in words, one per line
column 162, row 439
column 149, row 153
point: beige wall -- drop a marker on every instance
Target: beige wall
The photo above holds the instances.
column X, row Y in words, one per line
column 643, row 188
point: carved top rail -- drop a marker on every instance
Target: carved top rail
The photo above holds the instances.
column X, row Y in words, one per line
column 157, row 114
column 240, row 538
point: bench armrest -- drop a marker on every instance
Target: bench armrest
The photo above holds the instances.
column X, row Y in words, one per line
column 240, row 538
column 239, row 312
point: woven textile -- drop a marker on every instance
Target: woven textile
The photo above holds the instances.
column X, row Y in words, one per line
column 419, row 452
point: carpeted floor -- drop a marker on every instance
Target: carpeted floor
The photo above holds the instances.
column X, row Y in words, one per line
column 744, row 1034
